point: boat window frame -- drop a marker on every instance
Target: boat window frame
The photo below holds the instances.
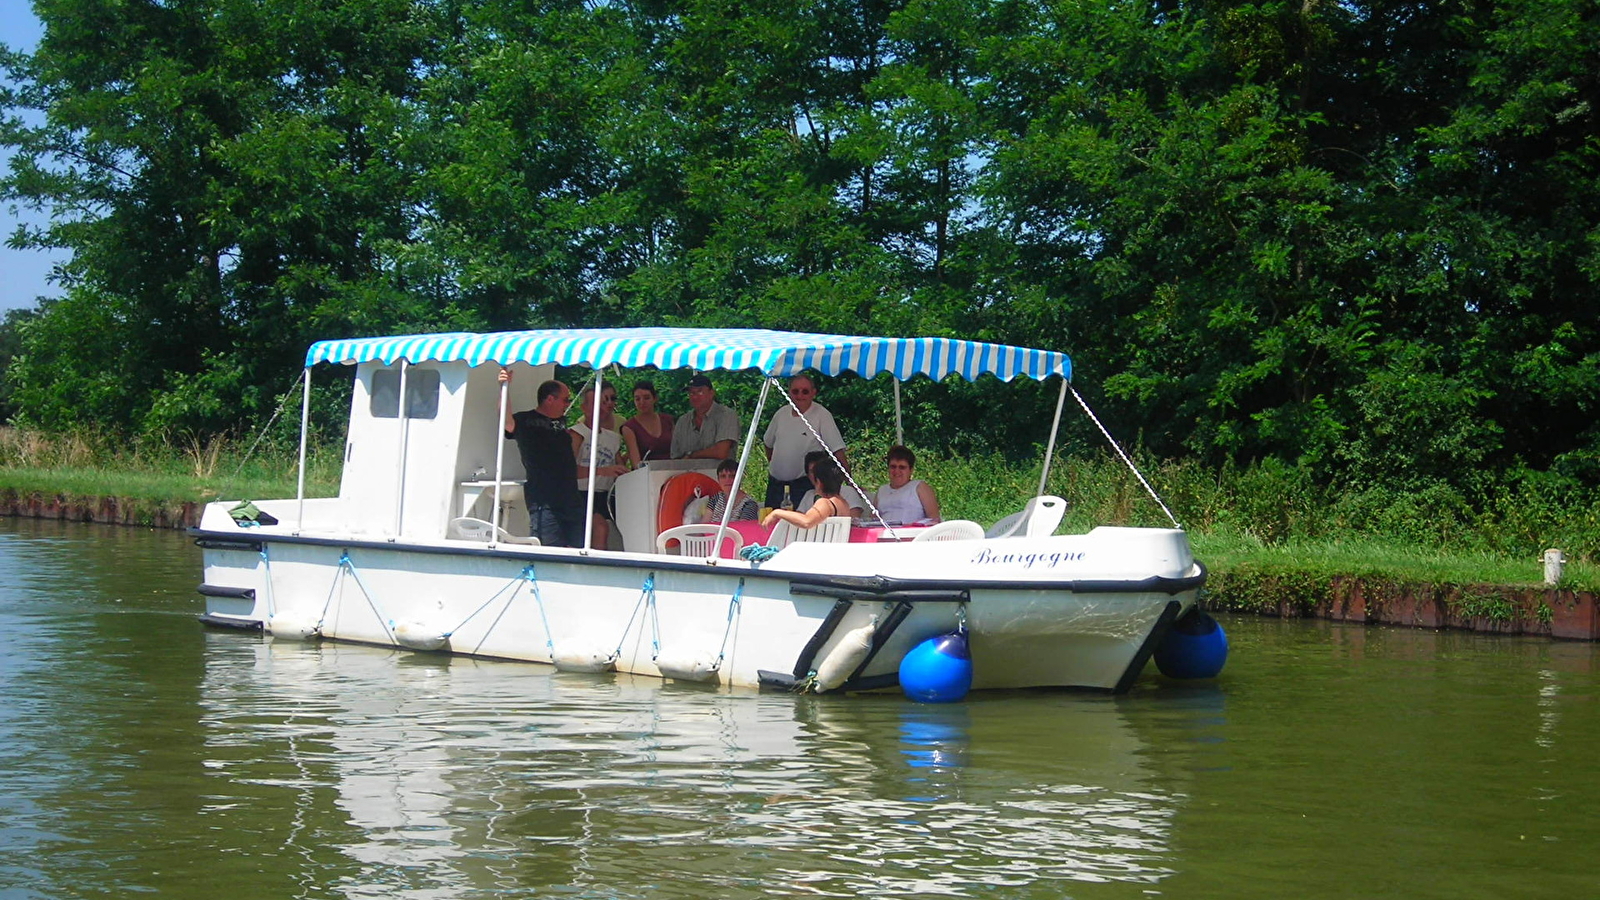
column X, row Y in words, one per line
column 422, row 392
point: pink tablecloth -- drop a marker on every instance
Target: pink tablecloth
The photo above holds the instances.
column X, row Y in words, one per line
column 756, row 533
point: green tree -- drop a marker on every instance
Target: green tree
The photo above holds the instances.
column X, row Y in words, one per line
column 217, row 170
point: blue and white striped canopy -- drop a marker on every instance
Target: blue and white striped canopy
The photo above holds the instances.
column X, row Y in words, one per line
column 770, row 352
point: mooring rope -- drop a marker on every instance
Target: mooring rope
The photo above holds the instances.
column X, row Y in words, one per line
column 260, row 434
column 1118, row 447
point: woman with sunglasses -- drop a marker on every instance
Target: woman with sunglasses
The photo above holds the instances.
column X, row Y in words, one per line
column 609, row 460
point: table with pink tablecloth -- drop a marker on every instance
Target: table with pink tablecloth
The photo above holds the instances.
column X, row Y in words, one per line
column 756, row 533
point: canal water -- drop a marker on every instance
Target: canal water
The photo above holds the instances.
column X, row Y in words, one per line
column 141, row 754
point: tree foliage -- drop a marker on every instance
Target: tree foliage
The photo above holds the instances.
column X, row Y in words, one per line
column 1359, row 237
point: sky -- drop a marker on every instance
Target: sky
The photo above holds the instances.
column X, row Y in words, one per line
column 24, row 274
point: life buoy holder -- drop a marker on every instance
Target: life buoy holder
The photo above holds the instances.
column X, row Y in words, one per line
column 676, row 494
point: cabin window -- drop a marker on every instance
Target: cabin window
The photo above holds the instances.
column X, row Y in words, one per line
column 422, row 393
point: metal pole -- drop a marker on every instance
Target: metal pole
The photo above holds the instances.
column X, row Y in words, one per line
column 405, row 433
column 899, row 427
column 1049, row 448
column 738, row 476
column 499, row 455
column 300, row 489
column 594, row 454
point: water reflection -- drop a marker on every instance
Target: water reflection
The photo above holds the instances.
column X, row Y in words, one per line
column 446, row 778
column 934, row 737
column 140, row 754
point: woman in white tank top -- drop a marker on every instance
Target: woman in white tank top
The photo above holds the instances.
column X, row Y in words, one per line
column 904, row 499
column 606, row 464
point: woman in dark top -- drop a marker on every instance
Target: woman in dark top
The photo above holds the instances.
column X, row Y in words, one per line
column 649, row 433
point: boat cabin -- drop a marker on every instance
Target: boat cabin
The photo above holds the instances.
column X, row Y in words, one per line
column 427, row 471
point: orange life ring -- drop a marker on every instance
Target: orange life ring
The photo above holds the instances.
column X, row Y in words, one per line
column 676, row 494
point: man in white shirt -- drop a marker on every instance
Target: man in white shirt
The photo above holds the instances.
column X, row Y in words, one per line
column 788, row 440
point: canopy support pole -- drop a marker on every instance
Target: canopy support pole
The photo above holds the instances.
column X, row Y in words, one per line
column 405, row 436
column 899, row 426
column 738, row 476
column 594, row 455
column 1049, row 449
column 300, row 488
column 499, row 456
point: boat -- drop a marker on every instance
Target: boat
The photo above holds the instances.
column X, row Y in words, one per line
column 426, row 546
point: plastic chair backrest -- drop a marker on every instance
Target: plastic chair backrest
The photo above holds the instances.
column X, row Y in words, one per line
column 1005, row 527
column 832, row 530
column 467, row 528
column 952, row 530
column 1038, row 518
column 696, row 540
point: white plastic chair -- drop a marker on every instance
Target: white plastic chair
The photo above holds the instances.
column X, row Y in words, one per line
column 832, row 530
column 696, row 540
column 1038, row 518
column 952, row 530
column 467, row 528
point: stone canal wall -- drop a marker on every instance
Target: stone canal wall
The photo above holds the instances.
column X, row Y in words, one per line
column 105, row 510
column 1501, row 609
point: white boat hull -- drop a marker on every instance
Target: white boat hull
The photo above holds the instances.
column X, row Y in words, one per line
column 1067, row 611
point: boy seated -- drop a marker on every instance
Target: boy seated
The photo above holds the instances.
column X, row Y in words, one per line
column 744, row 506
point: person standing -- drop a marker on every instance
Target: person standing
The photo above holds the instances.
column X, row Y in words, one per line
column 788, row 439
column 710, row 430
column 555, row 508
column 608, row 459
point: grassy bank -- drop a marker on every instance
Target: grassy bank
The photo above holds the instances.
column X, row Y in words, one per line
column 1260, row 520
column 75, row 467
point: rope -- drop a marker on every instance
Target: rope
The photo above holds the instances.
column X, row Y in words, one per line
column 338, row 579
column 647, row 591
column 385, row 621
column 514, row 584
column 757, row 553
column 266, row 564
column 532, row 578
column 1117, row 447
column 345, row 565
column 734, row 606
column 261, row 433
column 824, row 444
column 654, row 613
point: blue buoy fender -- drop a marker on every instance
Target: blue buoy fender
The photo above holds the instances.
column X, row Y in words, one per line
column 1195, row 647
column 938, row 670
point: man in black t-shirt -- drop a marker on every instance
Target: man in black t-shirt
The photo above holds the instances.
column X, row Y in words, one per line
column 555, row 508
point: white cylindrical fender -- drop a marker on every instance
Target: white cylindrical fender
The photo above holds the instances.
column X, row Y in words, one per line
column 584, row 661
column 687, row 669
column 414, row 635
column 290, row 627
column 851, row 648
